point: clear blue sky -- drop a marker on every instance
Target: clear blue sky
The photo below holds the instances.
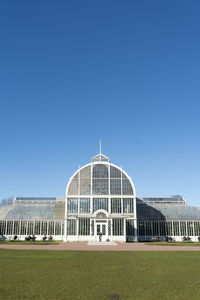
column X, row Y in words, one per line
column 72, row 72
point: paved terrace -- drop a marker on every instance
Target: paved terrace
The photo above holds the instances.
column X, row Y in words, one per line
column 83, row 246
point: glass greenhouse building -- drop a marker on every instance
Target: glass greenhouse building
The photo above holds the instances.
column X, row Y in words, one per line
column 100, row 197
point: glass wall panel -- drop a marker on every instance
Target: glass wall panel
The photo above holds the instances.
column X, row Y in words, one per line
column 183, row 228
column 100, row 203
column 130, row 227
column 44, row 228
column 73, row 188
column 118, row 227
column 126, row 187
column 176, row 228
column 100, row 180
column 141, row 228
column 51, row 228
column 163, row 229
column 37, row 228
column 2, row 227
column 84, row 205
column 24, row 227
column 85, row 188
column 84, row 226
column 71, row 227
column 156, row 230
column 62, row 226
column 16, row 227
column 85, row 181
column 9, row 227
column 100, row 171
column 197, row 228
column 116, row 205
column 169, row 228
column 128, row 205
column 30, row 227
column 190, row 228
column 148, row 228
column 100, row 186
column 115, row 173
column 115, row 186
column 57, row 227
column 72, row 205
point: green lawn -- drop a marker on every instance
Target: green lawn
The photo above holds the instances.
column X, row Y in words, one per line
column 30, row 243
column 34, row 274
column 173, row 244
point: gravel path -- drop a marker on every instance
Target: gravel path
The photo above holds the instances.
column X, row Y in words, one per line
column 83, row 246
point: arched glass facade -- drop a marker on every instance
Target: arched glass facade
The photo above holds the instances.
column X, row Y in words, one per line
column 101, row 187
column 100, row 179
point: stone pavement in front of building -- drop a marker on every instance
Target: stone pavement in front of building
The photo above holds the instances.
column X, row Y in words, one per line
column 83, row 246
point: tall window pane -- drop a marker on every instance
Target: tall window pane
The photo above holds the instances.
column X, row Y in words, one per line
column 16, row 227
column 2, row 227
column 128, row 205
column 85, row 181
column 190, row 228
column 71, row 227
column 100, row 180
column 58, row 228
column 72, row 205
column 23, row 228
column 84, row 226
column 37, row 228
column 140, row 228
column 116, row 205
column 51, row 227
column 100, row 203
column 183, row 228
column 130, row 227
column 197, row 228
column 44, row 228
column 118, row 227
column 84, row 205
column 176, row 228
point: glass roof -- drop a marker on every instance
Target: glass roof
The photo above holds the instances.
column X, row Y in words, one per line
column 167, row 212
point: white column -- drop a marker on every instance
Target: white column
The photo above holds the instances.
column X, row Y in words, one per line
column 172, row 228
column 13, row 227
column 135, row 230
column 91, row 205
column 124, row 229
column 109, row 205
column 34, row 227
column 122, row 208
column 193, row 228
column 186, row 228
column 65, row 230
column 26, row 227
column 77, row 223
column 78, row 206
column 6, row 227
column 20, row 224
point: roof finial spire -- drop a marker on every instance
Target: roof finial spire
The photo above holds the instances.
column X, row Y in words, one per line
column 99, row 146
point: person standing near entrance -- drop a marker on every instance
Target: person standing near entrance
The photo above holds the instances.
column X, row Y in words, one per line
column 100, row 236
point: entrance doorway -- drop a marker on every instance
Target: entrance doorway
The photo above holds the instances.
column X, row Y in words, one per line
column 101, row 226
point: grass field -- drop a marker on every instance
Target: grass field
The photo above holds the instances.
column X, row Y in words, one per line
column 34, row 274
column 29, row 243
column 173, row 244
